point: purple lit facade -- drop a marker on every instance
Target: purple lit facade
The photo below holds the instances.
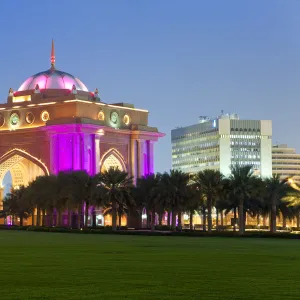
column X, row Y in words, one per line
column 82, row 147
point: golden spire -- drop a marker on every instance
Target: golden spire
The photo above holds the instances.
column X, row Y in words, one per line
column 52, row 58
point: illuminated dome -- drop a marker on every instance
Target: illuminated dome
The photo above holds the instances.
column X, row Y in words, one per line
column 52, row 79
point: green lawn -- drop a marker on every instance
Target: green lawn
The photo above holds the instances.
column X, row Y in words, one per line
column 75, row 266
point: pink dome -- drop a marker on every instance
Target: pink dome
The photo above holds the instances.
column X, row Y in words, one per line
column 52, row 79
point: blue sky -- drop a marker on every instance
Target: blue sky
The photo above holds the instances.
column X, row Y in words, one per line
column 178, row 59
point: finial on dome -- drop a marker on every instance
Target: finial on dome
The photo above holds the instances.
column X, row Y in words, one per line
column 37, row 89
column 10, row 92
column 52, row 58
column 74, row 90
column 96, row 94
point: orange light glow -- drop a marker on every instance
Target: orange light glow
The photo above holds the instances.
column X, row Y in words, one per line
column 21, row 98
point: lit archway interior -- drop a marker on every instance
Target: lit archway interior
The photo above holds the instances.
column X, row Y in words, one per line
column 22, row 170
column 22, row 167
column 112, row 161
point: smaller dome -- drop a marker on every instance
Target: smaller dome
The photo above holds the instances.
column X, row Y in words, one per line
column 52, row 79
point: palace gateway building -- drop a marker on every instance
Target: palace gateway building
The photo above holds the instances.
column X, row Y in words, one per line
column 54, row 123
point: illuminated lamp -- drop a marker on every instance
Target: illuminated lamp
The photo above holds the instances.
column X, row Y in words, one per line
column 126, row 119
column 100, row 132
column 29, row 118
column 101, row 115
column 45, row 116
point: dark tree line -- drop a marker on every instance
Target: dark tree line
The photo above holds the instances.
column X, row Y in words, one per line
column 172, row 193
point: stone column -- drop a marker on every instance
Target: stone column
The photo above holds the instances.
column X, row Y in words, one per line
column 133, row 159
column 96, row 154
column 76, row 152
column 140, row 157
column 54, row 154
column 82, row 151
column 150, row 157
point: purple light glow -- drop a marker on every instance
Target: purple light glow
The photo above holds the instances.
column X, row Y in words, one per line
column 73, row 151
column 52, row 79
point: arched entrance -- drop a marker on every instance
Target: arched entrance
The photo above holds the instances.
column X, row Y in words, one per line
column 23, row 169
column 112, row 159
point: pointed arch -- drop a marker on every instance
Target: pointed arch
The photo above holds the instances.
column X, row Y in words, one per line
column 112, row 158
column 19, row 162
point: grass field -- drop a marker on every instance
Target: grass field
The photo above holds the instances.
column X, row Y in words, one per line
column 73, row 266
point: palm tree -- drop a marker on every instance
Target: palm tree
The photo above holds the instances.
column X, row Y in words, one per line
column 16, row 204
column 193, row 203
column 147, row 188
column 42, row 192
column 91, row 195
column 173, row 188
column 115, row 190
column 76, row 192
column 209, row 182
column 244, row 185
column 276, row 191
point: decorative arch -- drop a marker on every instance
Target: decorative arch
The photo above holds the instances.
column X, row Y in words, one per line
column 23, row 167
column 112, row 158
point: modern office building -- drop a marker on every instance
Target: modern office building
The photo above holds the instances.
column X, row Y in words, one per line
column 286, row 162
column 217, row 143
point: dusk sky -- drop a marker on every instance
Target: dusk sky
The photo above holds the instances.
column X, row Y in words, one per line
column 178, row 59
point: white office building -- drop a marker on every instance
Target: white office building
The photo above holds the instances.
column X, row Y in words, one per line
column 218, row 143
column 286, row 162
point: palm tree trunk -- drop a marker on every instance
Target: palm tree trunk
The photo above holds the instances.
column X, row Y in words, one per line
column 191, row 220
column 43, row 217
column 32, row 218
column 38, row 216
column 204, row 217
column 179, row 216
column 273, row 216
column 217, row 218
column 298, row 220
column 148, row 219
column 50, row 217
column 222, row 218
column 241, row 217
column 173, row 220
column 234, row 217
column 120, row 220
column 79, row 216
column 283, row 221
column 169, row 218
column 86, row 217
column 94, row 218
column 258, row 220
column 160, row 217
column 153, row 219
column 209, row 218
column 58, row 218
column 69, row 218
column 114, row 215
column 21, row 220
